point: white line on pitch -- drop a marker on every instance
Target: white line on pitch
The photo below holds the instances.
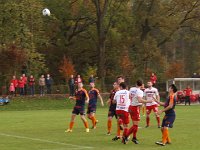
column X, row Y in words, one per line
column 46, row 141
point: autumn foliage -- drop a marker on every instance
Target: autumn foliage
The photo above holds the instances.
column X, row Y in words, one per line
column 66, row 67
column 175, row 69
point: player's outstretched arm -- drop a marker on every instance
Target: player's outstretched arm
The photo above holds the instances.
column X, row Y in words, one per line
column 141, row 100
column 102, row 104
column 158, row 101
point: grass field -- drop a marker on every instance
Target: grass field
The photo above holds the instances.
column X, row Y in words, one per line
column 39, row 124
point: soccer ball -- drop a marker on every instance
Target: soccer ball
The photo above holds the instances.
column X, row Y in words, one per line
column 46, row 12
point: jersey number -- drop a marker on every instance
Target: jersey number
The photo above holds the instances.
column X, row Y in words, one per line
column 122, row 99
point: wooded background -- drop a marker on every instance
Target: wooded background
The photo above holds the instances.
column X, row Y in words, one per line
column 101, row 37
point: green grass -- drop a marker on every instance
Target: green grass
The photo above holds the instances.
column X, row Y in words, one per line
column 39, row 124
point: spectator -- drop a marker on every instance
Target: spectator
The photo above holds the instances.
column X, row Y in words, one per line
column 153, row 79
column 91, row 79
column 12, row 89
column 32, row 85
column 21, row 86
column 71, row 84
column 49, row 82
column 24, row 78
column 42, row 85
column 78, row 79
column 187, row 93
column 15, row 83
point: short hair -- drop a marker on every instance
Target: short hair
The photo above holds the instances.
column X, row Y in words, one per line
column 139, row 82
column 120, row 77
column 174, row 88
column 123, row 85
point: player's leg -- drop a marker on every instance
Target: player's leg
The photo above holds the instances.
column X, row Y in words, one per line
column 148, row 112
column 85, row 122
column 73, row 116
column 143, row 110
column 155, row 109
column 109, row 122
column 117, row 137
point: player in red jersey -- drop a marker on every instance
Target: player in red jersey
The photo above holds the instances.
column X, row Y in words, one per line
column 81, row 97
column 93, row 95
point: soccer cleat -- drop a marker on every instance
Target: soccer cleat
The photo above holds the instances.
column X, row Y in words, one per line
column 159, row 126
column 108, row 133
column 68, row 130
column 134, row 140
column 147, row 126
column 124, row 140
column 94, row 127
column 87, row 130
column 160, row 143
column 116, row 138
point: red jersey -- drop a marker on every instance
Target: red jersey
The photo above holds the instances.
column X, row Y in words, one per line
column 153, row 79
column 24, row 79
column 188, row 91
column 21, row 83
column 15, row 82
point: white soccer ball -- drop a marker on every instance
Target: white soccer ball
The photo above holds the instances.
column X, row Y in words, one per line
column 46, row 12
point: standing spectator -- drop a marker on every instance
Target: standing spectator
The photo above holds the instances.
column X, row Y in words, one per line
column 21, row 86
column 12, row 89
column 15, row 83
column 42, row 85
column 78, row 79
column 153, row 79
column 188, row 93
column 32, row 85
column 24, row 78
column 91, row 79
column 49, row 82
column 71, row 84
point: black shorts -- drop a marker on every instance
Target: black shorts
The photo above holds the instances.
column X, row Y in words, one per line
column 168, row 121
column 91, row 109
column 79, row 110
column 112, row 112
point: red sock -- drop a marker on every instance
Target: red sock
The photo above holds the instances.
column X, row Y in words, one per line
column 147, row 120
column 125, row 132
column 158, row 120
column 130, row 131
column 135, row 131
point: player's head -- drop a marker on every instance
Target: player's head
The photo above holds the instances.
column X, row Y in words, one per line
column 72, row 76
column 92, row 85
column 23, row 75
column 120, row 79
column 122, row 86
column 139, row 83
column 188, row 86
column 115, row 85
column 149, row 84
column 14, row 77
column 172, row 88
column 80, row 85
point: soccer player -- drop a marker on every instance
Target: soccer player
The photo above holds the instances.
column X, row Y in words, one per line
column 170, row 115
column 123, row 102
column 93, row 95
column 149, row 93
column 112, row 107
column 81, row 97
column 120, row 79
column 136, row 95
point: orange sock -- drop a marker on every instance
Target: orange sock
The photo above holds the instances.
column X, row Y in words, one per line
column 93, row 120
column 118, row 130
column 109, row 125
column 165, row 135
column 86, row 124
column 71, row 125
